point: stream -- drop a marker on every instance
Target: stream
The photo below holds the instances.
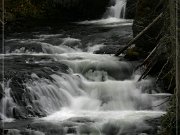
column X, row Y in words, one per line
column 65, row 81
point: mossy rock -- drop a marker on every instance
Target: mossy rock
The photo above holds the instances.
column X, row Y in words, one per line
column 132, row 54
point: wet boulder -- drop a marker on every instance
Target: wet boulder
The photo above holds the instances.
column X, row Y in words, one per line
column 17, row 89
column 131, row 9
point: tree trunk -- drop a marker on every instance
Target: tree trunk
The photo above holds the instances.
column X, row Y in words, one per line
column 174, row 16
column 177, row 65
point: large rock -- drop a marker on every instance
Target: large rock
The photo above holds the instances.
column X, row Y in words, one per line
column 131, row 9
column 18, row 72
column 146, row 12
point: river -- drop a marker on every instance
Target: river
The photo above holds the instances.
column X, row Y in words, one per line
column 64, row 80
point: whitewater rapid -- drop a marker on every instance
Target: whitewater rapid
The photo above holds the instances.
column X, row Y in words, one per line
column 95, row 82
column 97, row 94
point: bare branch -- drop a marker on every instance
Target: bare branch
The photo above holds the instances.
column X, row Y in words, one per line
column 158, row 77
column 170, row 82
column 139, row 35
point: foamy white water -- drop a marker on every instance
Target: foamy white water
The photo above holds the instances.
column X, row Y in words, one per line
column 108, row 22
column 124, row 116
column 97, row 91
column 91, row 85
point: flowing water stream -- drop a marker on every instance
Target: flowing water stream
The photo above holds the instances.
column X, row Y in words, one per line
column 117, row 10
column 71, row 84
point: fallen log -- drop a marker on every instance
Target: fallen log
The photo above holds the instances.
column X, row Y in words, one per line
column 138, row 36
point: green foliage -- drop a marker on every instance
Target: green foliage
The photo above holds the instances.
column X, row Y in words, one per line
column 26, row 8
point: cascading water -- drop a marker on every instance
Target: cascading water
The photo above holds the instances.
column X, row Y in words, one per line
column 95, row 94
column 118, row 10
column 114, row 14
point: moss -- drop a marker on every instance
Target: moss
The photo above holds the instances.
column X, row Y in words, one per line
column 132, row 54
column 24, row 8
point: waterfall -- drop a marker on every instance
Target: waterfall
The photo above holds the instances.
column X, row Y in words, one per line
column 117, row 10
column 94, row 83
column 65, row 83
column 113, row 16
